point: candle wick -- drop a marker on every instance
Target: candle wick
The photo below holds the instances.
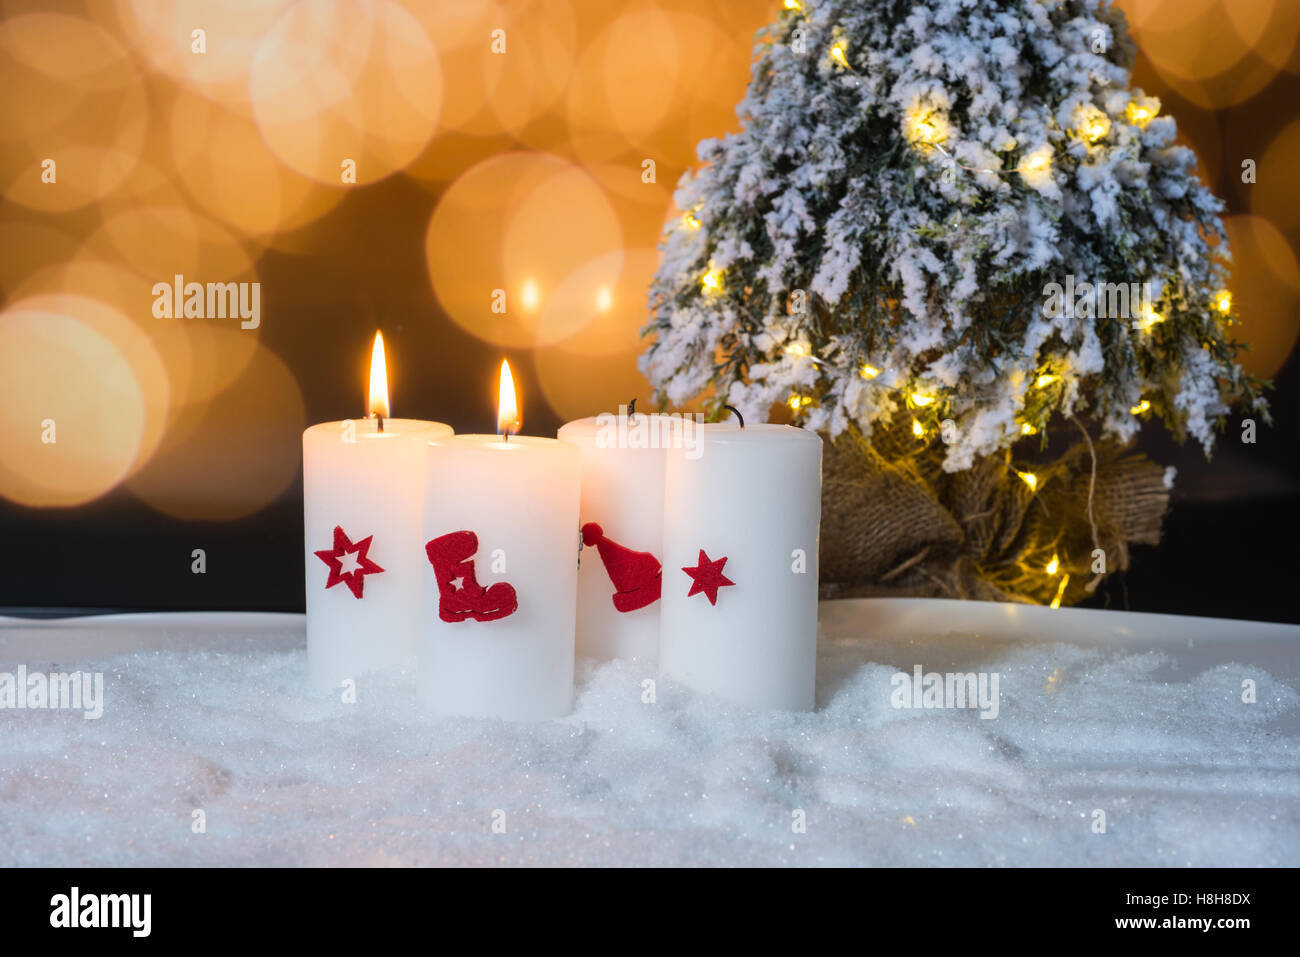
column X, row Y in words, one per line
column 380, row 419
column 736, row 412
column 631, row 410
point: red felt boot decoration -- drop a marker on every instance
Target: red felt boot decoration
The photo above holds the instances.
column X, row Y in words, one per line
column 452, row 558
column 637, row 576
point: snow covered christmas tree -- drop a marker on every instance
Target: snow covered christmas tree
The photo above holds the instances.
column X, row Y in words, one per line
column 877, row 248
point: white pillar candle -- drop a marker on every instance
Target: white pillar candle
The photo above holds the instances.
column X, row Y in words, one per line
column 363, row 493
column 738, row 616
column 621, row 515
column 500, row 533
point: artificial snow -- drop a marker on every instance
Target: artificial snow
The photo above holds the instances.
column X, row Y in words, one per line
column 1183, row 771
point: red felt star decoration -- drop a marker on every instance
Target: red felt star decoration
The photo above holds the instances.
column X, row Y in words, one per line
column 355, row 555
column 707, row 577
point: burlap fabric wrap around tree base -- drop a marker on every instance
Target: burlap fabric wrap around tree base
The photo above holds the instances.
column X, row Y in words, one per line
column 895, row 524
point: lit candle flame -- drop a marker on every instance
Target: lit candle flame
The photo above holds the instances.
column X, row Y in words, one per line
column 508, row 421
column 378, row 380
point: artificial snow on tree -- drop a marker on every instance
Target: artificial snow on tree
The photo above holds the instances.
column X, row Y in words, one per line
column 945, row 229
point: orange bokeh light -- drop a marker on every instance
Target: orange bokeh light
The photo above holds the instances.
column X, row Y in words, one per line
column 346, row 88
column 1265, row 285
column 491, row 245
column 75, row 416
column 72, row 125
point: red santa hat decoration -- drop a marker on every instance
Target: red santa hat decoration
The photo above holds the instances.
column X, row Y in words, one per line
column 637, row 576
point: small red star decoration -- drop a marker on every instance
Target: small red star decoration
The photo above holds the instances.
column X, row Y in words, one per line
column 707, row 577
column 345, row 549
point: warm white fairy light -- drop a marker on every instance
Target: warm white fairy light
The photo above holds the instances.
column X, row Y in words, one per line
column 929, row 128
column 1060, row 591
column 1142, row 111
column 926, row 127
column 1148, row 317
column 1091, row 124
column 1036, row 163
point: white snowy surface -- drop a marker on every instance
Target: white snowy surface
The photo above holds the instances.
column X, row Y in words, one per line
column 1186, row 773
